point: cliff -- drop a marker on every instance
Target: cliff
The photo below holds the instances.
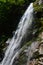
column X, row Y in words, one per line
column 32, row 50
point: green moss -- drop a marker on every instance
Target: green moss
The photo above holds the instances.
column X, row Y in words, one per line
column 22, row 59
column 38, row 8
column 39, row 14
column 16, row 2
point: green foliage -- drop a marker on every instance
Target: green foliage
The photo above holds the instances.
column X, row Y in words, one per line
column 3, row 0
column 38, row 7
column 4, row 8
column 22, row 59
column 3, row 38
column 16, row 2
column 39, row 14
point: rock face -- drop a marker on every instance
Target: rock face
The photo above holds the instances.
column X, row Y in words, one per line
column 38, row 60
column 40, row 2
column 41, row 49
column 37, row 57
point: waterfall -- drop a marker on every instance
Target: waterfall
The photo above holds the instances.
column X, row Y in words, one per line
column 15, row 43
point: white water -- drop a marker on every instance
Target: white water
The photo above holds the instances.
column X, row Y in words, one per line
column 15, row 43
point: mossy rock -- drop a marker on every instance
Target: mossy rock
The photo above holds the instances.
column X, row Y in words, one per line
column 39, row 12
column 37, row 7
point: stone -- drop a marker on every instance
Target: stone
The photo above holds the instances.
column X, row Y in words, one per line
column 41, row 49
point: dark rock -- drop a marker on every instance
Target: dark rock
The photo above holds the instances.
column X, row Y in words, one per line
column 1, row 56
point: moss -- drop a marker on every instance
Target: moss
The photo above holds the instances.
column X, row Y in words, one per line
column 38, row 7
column 3, row 39
column 22, row 59
column 39, row 14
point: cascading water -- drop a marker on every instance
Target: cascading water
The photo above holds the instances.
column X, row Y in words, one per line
column 15, row 43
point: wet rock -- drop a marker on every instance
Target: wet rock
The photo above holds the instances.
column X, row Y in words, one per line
column 41, row 63
column 41, row 49
column 1, row 56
